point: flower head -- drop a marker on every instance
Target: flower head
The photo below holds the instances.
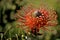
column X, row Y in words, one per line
column 35, row 19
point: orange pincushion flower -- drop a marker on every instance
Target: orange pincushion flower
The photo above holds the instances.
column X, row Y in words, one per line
column 35, row 19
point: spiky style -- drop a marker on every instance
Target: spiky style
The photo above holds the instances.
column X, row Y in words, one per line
column 34, row 19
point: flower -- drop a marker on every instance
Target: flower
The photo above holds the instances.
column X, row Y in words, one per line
column 35, row 19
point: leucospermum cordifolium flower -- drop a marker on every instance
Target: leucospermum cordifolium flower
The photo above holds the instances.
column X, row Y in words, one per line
column 33, row 19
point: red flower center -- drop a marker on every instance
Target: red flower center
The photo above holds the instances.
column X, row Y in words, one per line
column 34, row 23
